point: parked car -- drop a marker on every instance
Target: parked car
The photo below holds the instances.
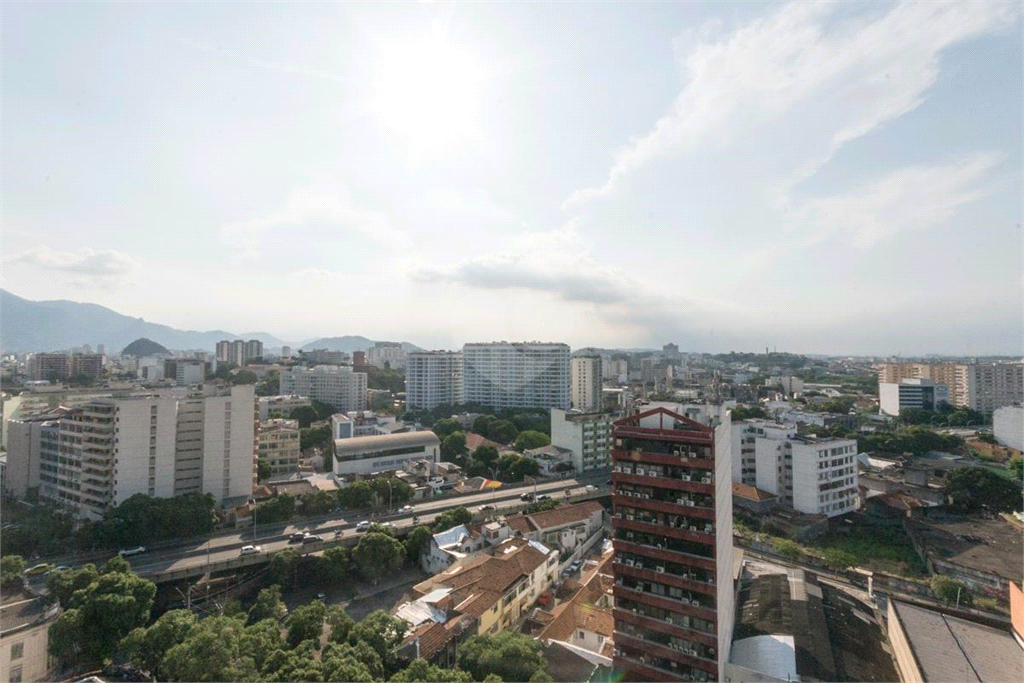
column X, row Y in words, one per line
column 311, row 538
column 362, row 526
column 129, row 552
column 251, row 550
column 526, row 496
column 486, row 508
column 296, row 537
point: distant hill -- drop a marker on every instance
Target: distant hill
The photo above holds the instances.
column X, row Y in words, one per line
column 56, row 325
column 348, row 344
column 140, row 348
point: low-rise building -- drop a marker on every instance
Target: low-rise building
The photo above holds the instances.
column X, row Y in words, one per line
column 279, row 445
column 282, row 405
column 369, row 454
column 588, row 436
column 919, row 394
column 24, row 641
column 566, row 527
column 551, row 460
column 456, row 544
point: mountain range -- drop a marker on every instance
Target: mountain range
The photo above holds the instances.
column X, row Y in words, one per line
column 59, row 325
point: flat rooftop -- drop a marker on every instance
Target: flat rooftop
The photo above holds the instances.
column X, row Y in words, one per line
column 976, row 542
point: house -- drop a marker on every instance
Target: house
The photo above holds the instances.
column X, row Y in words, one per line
column 24, row 640
column 496, row 589
column 753, row 499
column 457, row 543
column 566, row 527
column 551, row 460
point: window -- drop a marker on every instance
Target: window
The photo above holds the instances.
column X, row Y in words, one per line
column 17, row 650
column 15, row 675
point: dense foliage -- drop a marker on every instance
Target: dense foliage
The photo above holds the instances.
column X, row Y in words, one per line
column 531, row 439
column 452, row 517
column 972, row 489
column 510, row 654
column 916, row 440
column 747, row 412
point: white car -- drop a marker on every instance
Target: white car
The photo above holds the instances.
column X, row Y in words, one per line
column 407, row 508
column 251, row 550
column 362, row 526
column 132, row 551
column 591, row 487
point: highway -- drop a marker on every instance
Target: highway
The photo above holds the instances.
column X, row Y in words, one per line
column 275, row 538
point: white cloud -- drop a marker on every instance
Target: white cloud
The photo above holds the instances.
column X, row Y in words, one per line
column 802, row 72
column 96, row 268
column 910, row 198
column 321, row 205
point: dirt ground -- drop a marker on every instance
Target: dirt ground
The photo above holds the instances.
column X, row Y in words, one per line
column 993, row 452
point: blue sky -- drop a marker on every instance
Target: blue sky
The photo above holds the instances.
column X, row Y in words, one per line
column 820, row 177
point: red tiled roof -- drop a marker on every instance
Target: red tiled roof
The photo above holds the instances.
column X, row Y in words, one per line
column 475, row 441
column 751, row 493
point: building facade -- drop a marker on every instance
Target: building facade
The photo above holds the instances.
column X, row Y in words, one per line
column 336, row 385
column 386, row 355
column 369, row 454
column 978, row 386
column 672, row 526
column 586, row 383
column 281, row 405
column 279, row 446
column 1008, row 426
column 238, row 352
column 587, row 435
column 433, row 378
column 517, row 375
column 920, row 394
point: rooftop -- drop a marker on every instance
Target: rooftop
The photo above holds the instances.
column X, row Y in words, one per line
column 950, row 649
column 750, row 492
column 361, row 444
column 976, row 542
column 555, row 517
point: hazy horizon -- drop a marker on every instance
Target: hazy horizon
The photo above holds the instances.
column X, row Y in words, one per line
column 824, row 178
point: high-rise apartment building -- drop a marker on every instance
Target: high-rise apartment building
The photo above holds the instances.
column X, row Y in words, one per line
column 58, row 366
column 97, row 455
column 672, row 523
column 279, row 445
column 336, row 385
column 585, row 383
column 253, row 350
column 223, row 352
column 978, row 386
column 587, row 435
column 433, row 378
column 517, row 374
column 386, row 354
column 238, row 352
column 745, row 434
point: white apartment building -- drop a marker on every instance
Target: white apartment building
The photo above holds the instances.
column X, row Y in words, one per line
column 789, row 384
column 369, row 454
column 517, row 374
column 1008, row 426
column 978, row 386
column 238, row 352
column 433, row 378
column 386, row 354
column 615, row 370
column 279, row 445
column 745, row 435
column 587, row 435
column 813, row 476
column 336, row 385
column 283, row 405
column 585, row 383
column 98, row 455
column 189, row 372
column 921, row 394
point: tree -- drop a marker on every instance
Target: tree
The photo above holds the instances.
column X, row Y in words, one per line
column 486, row 455
column 213, row 651
column 280, row 508
column 421, row 671
column 541, row 676
column 298, row 664
column 522, row 468
column 306, row 623
column 788, row 549
column 512, row 655
column 747, row 412
column 1016, row 467
column 949, row 590
column 270, row 385
column 840, row 405
column 268, row 605
column 452, row 518
column 444, row 428
column 453, row 446
column 531, row 439
column 100, row 615
column 283, row 567
column 116, row 565
column 62, row 584
column 482, row 424
column 382, row 632
column 838, row 559
column 263, row 469
column 416, row 541
column 333, row 569
column 979, row 488
column 260, row 640
column 378, row 555
column 316, row 437
column 146, row 647
column 502, row 431
column 11, row 567
column 340, row 622
column 356, row 496
column 390, row 490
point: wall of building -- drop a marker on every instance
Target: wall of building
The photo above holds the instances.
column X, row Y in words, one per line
column 1008, row 426
column 906, row 664
column 144, row 458
column 230, row 443
column 725, row 595
column 34, row 662
column 22, row 457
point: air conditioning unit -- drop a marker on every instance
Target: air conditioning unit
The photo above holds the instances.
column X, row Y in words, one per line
column 629, row 517
column 647, row 495
column 689, row 503
column 653, row 473
column 692, row 652
column 629, row 535
column 685, row 601
column 660, row 546
column 706, row 480
column 693, row 528
column 708, row 528
column 711, row 652
column 618, row 515
column 685, row 477
column 660, row 570
column 630, row 562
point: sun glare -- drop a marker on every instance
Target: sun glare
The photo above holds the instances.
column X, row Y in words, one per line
column 427, row 90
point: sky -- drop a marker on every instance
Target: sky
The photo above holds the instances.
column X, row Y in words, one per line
column 818, row 177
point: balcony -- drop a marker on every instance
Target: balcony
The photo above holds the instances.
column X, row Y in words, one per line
column 672, row 507
column 669, row 459
column 667, row 651
column 665, row 602
column 662, row 482
column 686, row 559
column 683, row 533
column 646, row 572
column 671, row 626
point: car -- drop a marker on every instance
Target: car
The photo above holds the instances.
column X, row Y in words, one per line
column 543, row 496
column 486, row 508
column 62, row 568
column 575, row 565
column 609, row 482
column 296, row 537
column 251, row 550
column 129, row 552
column 322, row 597
column 362, row 526
column 526, row 496
column 590, row 487
column 311, row 538
column 38, row 569
column 406, row 508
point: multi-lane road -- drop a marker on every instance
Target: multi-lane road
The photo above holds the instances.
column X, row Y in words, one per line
column 274, row 538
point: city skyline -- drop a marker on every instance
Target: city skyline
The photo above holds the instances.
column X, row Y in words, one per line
column 822, row 178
